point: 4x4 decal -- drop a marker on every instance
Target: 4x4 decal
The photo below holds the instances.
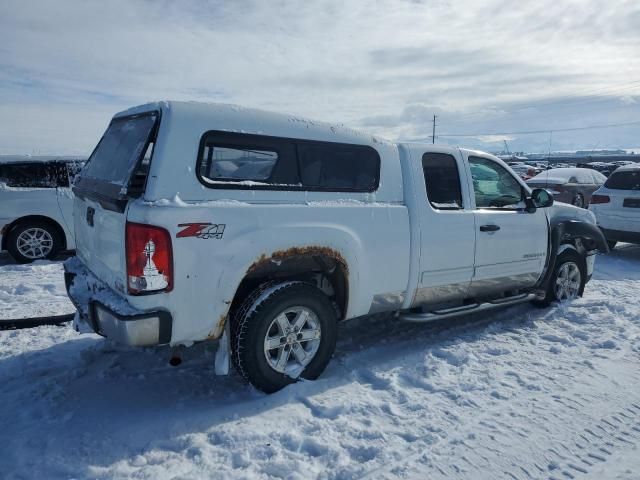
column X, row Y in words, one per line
column 201, row 230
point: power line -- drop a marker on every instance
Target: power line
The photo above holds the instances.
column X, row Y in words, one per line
column 535, row 132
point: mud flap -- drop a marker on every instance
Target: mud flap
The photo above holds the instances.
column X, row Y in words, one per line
column 80, row 325
column 222, row 354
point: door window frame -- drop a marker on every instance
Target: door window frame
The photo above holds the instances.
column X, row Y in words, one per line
column 463, row 201
column 526, row 191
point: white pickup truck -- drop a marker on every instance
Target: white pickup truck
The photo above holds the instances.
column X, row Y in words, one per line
column 199, row 221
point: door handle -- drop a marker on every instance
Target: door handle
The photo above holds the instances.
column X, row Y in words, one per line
column 489, row 228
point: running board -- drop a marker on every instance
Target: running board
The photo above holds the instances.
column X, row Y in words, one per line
column 472, row 308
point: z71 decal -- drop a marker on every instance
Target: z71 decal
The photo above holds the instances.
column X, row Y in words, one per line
column 201, row 230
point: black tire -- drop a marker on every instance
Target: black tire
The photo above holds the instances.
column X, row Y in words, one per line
column 568, row 256
column 612, row 244
column 18, row 230
column 578, row 201
column 251, row 323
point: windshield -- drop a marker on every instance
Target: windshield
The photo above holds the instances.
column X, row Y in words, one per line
column 627, row 180
column 117, row 155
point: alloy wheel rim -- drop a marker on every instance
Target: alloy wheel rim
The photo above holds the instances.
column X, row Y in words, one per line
column 567, row 286
column 34, row 243
column 292, row 340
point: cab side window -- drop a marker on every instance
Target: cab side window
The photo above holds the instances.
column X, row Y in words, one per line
column 493, row 185
column 442, row 180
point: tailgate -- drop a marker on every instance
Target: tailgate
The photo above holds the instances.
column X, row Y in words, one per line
column 100, row 237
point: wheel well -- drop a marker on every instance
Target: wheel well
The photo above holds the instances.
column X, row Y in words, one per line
column 30, row 219
column 320, row 266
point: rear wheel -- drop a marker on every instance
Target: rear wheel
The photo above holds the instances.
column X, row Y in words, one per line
column 568, row 280
column 283, row 332
column 33, row 241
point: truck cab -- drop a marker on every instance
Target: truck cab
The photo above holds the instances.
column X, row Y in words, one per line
column 262, row 231
column 477, row 236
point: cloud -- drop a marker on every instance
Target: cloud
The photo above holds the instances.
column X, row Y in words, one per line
column 389, row 66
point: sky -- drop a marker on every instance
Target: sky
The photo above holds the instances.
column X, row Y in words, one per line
column 488, row 69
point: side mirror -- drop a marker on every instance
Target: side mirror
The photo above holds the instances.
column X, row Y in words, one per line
column 541, row 198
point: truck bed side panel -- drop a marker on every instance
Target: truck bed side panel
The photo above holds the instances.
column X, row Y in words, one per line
column 372, row 238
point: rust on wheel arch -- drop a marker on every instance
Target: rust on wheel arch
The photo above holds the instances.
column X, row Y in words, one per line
column 300, row 260
column 290, row 253
column 304, row 257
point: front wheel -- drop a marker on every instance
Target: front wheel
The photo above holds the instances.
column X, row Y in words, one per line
column 568, row 280
column 283, row 332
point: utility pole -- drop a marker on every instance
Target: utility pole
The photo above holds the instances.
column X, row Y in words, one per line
column 433, row 137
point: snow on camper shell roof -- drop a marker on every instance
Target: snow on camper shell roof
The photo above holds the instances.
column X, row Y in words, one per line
column 235, row 118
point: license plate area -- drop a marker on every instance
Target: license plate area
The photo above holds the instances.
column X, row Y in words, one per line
column 631, row 202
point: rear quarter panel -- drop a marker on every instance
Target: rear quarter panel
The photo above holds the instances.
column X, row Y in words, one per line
column 371, row 237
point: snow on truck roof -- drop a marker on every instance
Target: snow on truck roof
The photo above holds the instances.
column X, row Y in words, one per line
column 234, row 118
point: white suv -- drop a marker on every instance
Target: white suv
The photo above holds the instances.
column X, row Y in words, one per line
column 36, row 206
column 617, row 205
column 197, row 222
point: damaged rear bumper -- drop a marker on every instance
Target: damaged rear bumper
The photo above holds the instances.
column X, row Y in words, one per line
column 108, row 314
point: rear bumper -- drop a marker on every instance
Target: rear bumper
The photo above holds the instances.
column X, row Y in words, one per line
column 621, row 235
column 108, row 314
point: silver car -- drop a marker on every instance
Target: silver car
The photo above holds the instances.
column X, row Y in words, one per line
column 569, row 185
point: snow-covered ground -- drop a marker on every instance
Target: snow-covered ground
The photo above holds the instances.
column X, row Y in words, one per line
column 519, row 394
column 35, row 290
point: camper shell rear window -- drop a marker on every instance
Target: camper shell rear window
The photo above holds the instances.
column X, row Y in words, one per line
column 240, row 161
column 118, row 167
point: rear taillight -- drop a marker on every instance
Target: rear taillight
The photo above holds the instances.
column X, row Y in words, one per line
column 149, row 259
column 600, row 199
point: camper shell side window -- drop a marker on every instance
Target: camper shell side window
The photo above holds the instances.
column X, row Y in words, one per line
column 245, row 161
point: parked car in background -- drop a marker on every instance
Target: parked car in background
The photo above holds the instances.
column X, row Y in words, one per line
column 623, row 163
column 605, row 168
column 525, row 171
column 569, row 185
column 264, row 231
column 36, row 207
column 541, row 166
column 616, row 205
